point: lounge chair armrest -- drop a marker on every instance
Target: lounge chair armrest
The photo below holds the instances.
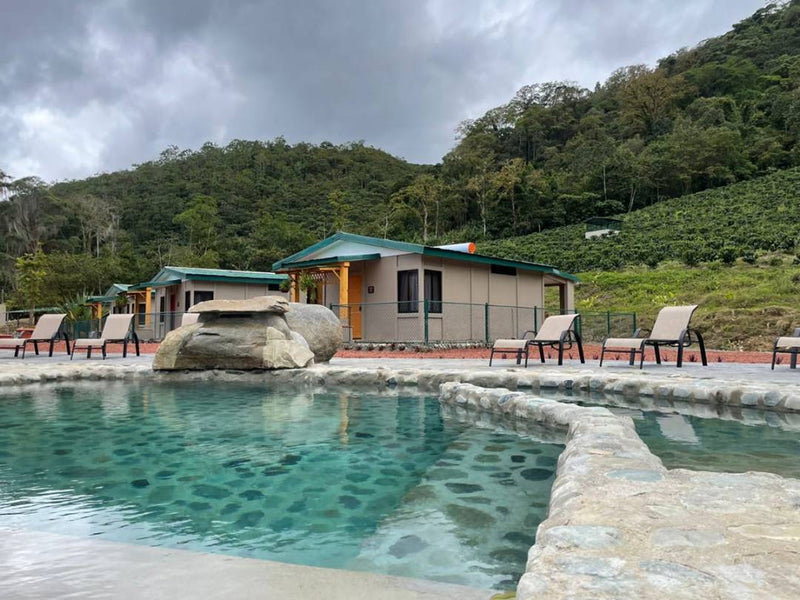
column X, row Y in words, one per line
column 525, row 333
column 641, row 331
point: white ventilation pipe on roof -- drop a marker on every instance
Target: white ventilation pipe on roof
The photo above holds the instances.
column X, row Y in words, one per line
column 467, row 247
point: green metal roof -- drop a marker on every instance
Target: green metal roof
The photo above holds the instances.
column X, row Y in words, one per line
column 302, row 264
column 175, row 275
column 296, row 260
column 151, row 284
column 102, row 299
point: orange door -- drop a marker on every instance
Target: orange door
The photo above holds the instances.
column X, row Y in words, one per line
column 354, row 300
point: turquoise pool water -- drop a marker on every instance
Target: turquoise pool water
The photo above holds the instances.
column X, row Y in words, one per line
column 728, row 445
column 344, row 480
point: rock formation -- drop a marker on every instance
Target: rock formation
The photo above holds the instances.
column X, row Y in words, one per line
column 260, row 333
column 319, row 326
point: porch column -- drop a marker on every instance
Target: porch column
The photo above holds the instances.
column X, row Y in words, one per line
column 148, row 305
column 295, row 288
column 344, row 291
column 98, row 308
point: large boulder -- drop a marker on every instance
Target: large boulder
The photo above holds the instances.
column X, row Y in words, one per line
column 319, row 326
column 250, row 334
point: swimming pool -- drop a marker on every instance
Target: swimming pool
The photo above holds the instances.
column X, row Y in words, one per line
column 336, row 479
column 713, row 444
column 704, row 438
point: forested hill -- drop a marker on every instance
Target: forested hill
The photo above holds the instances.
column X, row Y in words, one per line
column 241, row 206
column 743, row 220
column 725, row 111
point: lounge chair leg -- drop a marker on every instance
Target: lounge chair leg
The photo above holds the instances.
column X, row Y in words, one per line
column 519, row 357
column 491, row 356
column 580, row 349
column 680, row 355
column 560, row 353
column 103, row 351
column 602, row 355
column 641, row 357
column 774, row 355
column 657, row 353
column 89, row 352
column 793, row 360
column 36, row 347
column 702, row 345
column 136, row 343
column 125, row 349
column 526, row 356
column 632, row 357
column 66, row 343
column 541, row 352
column 50, row 353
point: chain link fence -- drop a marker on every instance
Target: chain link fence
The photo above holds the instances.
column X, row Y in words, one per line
column 148, row 326
column 411, row 322
column 430, row 322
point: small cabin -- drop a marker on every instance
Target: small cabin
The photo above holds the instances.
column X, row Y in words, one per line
column 387, row 290
column 601, row 226
column 160, row 302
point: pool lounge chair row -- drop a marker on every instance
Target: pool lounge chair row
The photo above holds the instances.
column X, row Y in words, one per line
column 671, row 329
column 117, row 330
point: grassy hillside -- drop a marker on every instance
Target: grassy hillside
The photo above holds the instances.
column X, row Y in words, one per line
column 742, row 307
column 742, row 220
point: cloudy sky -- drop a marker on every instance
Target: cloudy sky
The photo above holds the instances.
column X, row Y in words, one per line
column 92, row 86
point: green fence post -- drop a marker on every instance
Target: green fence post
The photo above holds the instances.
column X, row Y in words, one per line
column 486, row 321
column 426, row 310
column 608, row 323
column 634, row 321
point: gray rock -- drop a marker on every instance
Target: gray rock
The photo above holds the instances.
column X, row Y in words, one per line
column 233, row 334
column 581, row 536
column 319, row 326
column 642, row 475
column 670, row 537
column 260, row 304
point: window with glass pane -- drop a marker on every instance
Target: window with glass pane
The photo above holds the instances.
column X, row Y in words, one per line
column 433, row 290
column 408, row 291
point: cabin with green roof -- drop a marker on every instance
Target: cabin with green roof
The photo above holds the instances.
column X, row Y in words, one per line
column 109, row 302
column 160, row 302
column 381, row 288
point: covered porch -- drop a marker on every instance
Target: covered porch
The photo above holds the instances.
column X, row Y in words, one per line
column 337, row 283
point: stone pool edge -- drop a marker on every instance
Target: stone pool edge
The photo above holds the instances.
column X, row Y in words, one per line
column 596, row 543
column 741, row 394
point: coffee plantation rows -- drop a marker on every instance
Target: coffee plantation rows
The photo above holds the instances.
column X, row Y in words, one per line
column 741, row 220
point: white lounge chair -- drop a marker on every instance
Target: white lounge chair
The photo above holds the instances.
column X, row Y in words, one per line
column 46, row 331
column 670, row 329
column 117, row 330
column 787, row 345
column 556, row 332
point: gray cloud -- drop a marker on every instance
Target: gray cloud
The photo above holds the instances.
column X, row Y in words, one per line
column 96, row 85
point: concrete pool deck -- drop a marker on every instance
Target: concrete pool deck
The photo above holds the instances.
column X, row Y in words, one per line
column 35, row 564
